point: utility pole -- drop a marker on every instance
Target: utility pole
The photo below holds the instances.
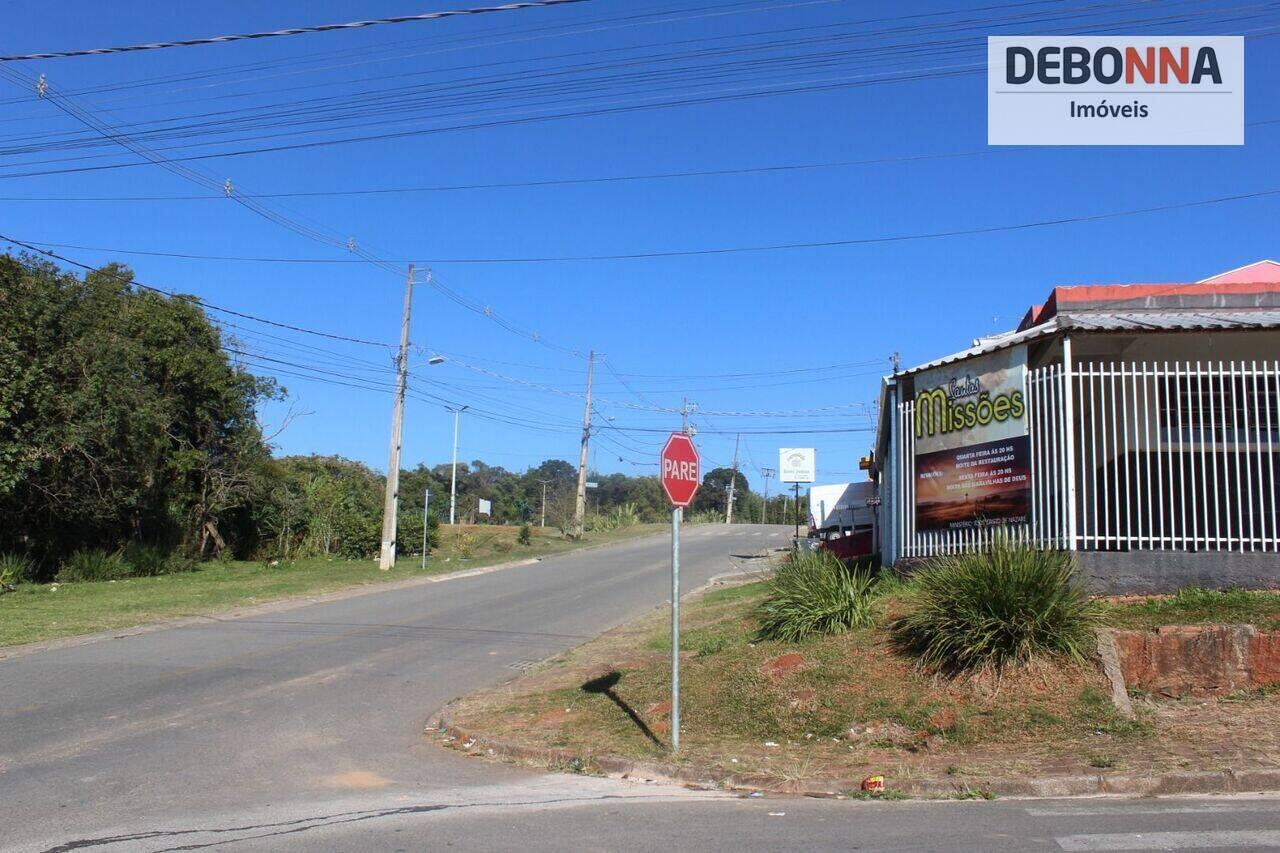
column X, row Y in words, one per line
column 387, row 557
column 453, row 478
column 766, row 473
column 896, row 363
column 543, row 522
column 733, row 481
column 580, row 507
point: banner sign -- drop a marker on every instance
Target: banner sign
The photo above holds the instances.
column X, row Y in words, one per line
column 1115, row 90
column 485, row 507
column 972, row 451
column 796, row 465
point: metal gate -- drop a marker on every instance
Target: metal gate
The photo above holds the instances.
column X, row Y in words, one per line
column 1152, row 455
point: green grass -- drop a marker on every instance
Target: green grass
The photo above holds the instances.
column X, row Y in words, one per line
column 1195, row 606
column 34, row 612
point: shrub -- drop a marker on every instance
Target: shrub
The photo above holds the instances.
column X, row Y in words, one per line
column 93, row 564
column 815, row 593
column 148, row 561
column 525, row 537
column 465, row 544
column 996, row 609
column 14, row 569
column 409, row 533
column 626, row 516
column 601, row 523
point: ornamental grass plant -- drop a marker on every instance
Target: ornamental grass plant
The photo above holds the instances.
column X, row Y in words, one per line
column 997, row 608
column 815, row 593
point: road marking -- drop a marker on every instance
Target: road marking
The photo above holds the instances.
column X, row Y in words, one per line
column 1267, row 805
column 1171, row 840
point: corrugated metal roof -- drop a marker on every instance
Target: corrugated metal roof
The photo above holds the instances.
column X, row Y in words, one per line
column 991, row 344
column 1119, row 321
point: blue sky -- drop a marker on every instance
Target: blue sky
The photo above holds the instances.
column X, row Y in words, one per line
column 673, row 327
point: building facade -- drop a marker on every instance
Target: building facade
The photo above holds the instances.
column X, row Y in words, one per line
column 1135, row 425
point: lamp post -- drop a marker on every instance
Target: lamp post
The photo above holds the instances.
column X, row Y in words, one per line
column 453, row 479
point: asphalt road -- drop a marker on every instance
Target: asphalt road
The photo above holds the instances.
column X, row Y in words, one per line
column 308, row 705
column 301, row 730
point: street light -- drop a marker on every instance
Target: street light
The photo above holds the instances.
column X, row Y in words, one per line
column 453, row 481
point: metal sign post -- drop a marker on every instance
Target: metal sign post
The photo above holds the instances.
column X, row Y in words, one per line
column 676, row 513
column 681, row 476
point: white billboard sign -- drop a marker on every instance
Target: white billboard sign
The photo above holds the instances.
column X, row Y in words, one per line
column 1115, row 90
column 796, row 465
column 485, row 507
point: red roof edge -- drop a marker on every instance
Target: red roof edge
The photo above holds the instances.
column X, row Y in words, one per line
column 1031, row 318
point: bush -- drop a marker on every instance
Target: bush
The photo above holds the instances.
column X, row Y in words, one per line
column 359, row 536
column 815, row 593
column 14, row 569
column 465, row 544
column 93, row 564
column 409, row 533
column 996, row 609
column 525, row 537
column 626, row 516
column 149, row 561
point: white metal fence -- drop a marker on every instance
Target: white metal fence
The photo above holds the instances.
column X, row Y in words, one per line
column 1165, row 456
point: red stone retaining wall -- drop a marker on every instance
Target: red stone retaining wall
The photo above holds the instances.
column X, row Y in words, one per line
column 1180, row 660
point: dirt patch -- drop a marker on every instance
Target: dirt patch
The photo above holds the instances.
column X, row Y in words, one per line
column 776, row 668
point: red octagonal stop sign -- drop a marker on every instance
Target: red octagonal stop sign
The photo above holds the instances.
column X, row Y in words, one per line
column 680, row 469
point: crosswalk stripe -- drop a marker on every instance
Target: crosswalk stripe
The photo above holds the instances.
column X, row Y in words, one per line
column 1170, row 840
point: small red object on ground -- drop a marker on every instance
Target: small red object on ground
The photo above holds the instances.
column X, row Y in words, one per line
column 875, row 784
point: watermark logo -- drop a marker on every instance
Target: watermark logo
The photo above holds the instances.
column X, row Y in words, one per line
column 1115, row 90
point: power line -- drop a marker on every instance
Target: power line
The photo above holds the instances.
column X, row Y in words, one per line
column 730, row 250
column 266, row 212
column 195, row 300
column 291, row 129
column 293, row 31
column 556, row 182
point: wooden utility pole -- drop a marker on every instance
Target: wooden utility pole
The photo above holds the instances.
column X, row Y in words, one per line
column 580, row 508
column 543, row 522
column 733, row 482
column 390, row 503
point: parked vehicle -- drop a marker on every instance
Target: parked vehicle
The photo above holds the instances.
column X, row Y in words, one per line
column 842, row 519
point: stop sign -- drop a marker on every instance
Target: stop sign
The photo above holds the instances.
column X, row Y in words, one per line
column 680, row 474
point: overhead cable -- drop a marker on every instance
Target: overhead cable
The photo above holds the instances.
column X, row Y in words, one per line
column 292, row 31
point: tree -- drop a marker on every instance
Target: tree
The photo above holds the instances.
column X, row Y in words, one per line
column 121, row 417
column 713, row 496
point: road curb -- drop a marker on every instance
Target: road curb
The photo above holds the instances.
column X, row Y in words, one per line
column 1226, row 781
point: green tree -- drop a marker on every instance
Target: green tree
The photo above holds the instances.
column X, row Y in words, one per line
column 121, row 418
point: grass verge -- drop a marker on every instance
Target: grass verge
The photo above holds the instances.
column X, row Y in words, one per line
column 850, row 705
column 1194, row 606
column 34, row 612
